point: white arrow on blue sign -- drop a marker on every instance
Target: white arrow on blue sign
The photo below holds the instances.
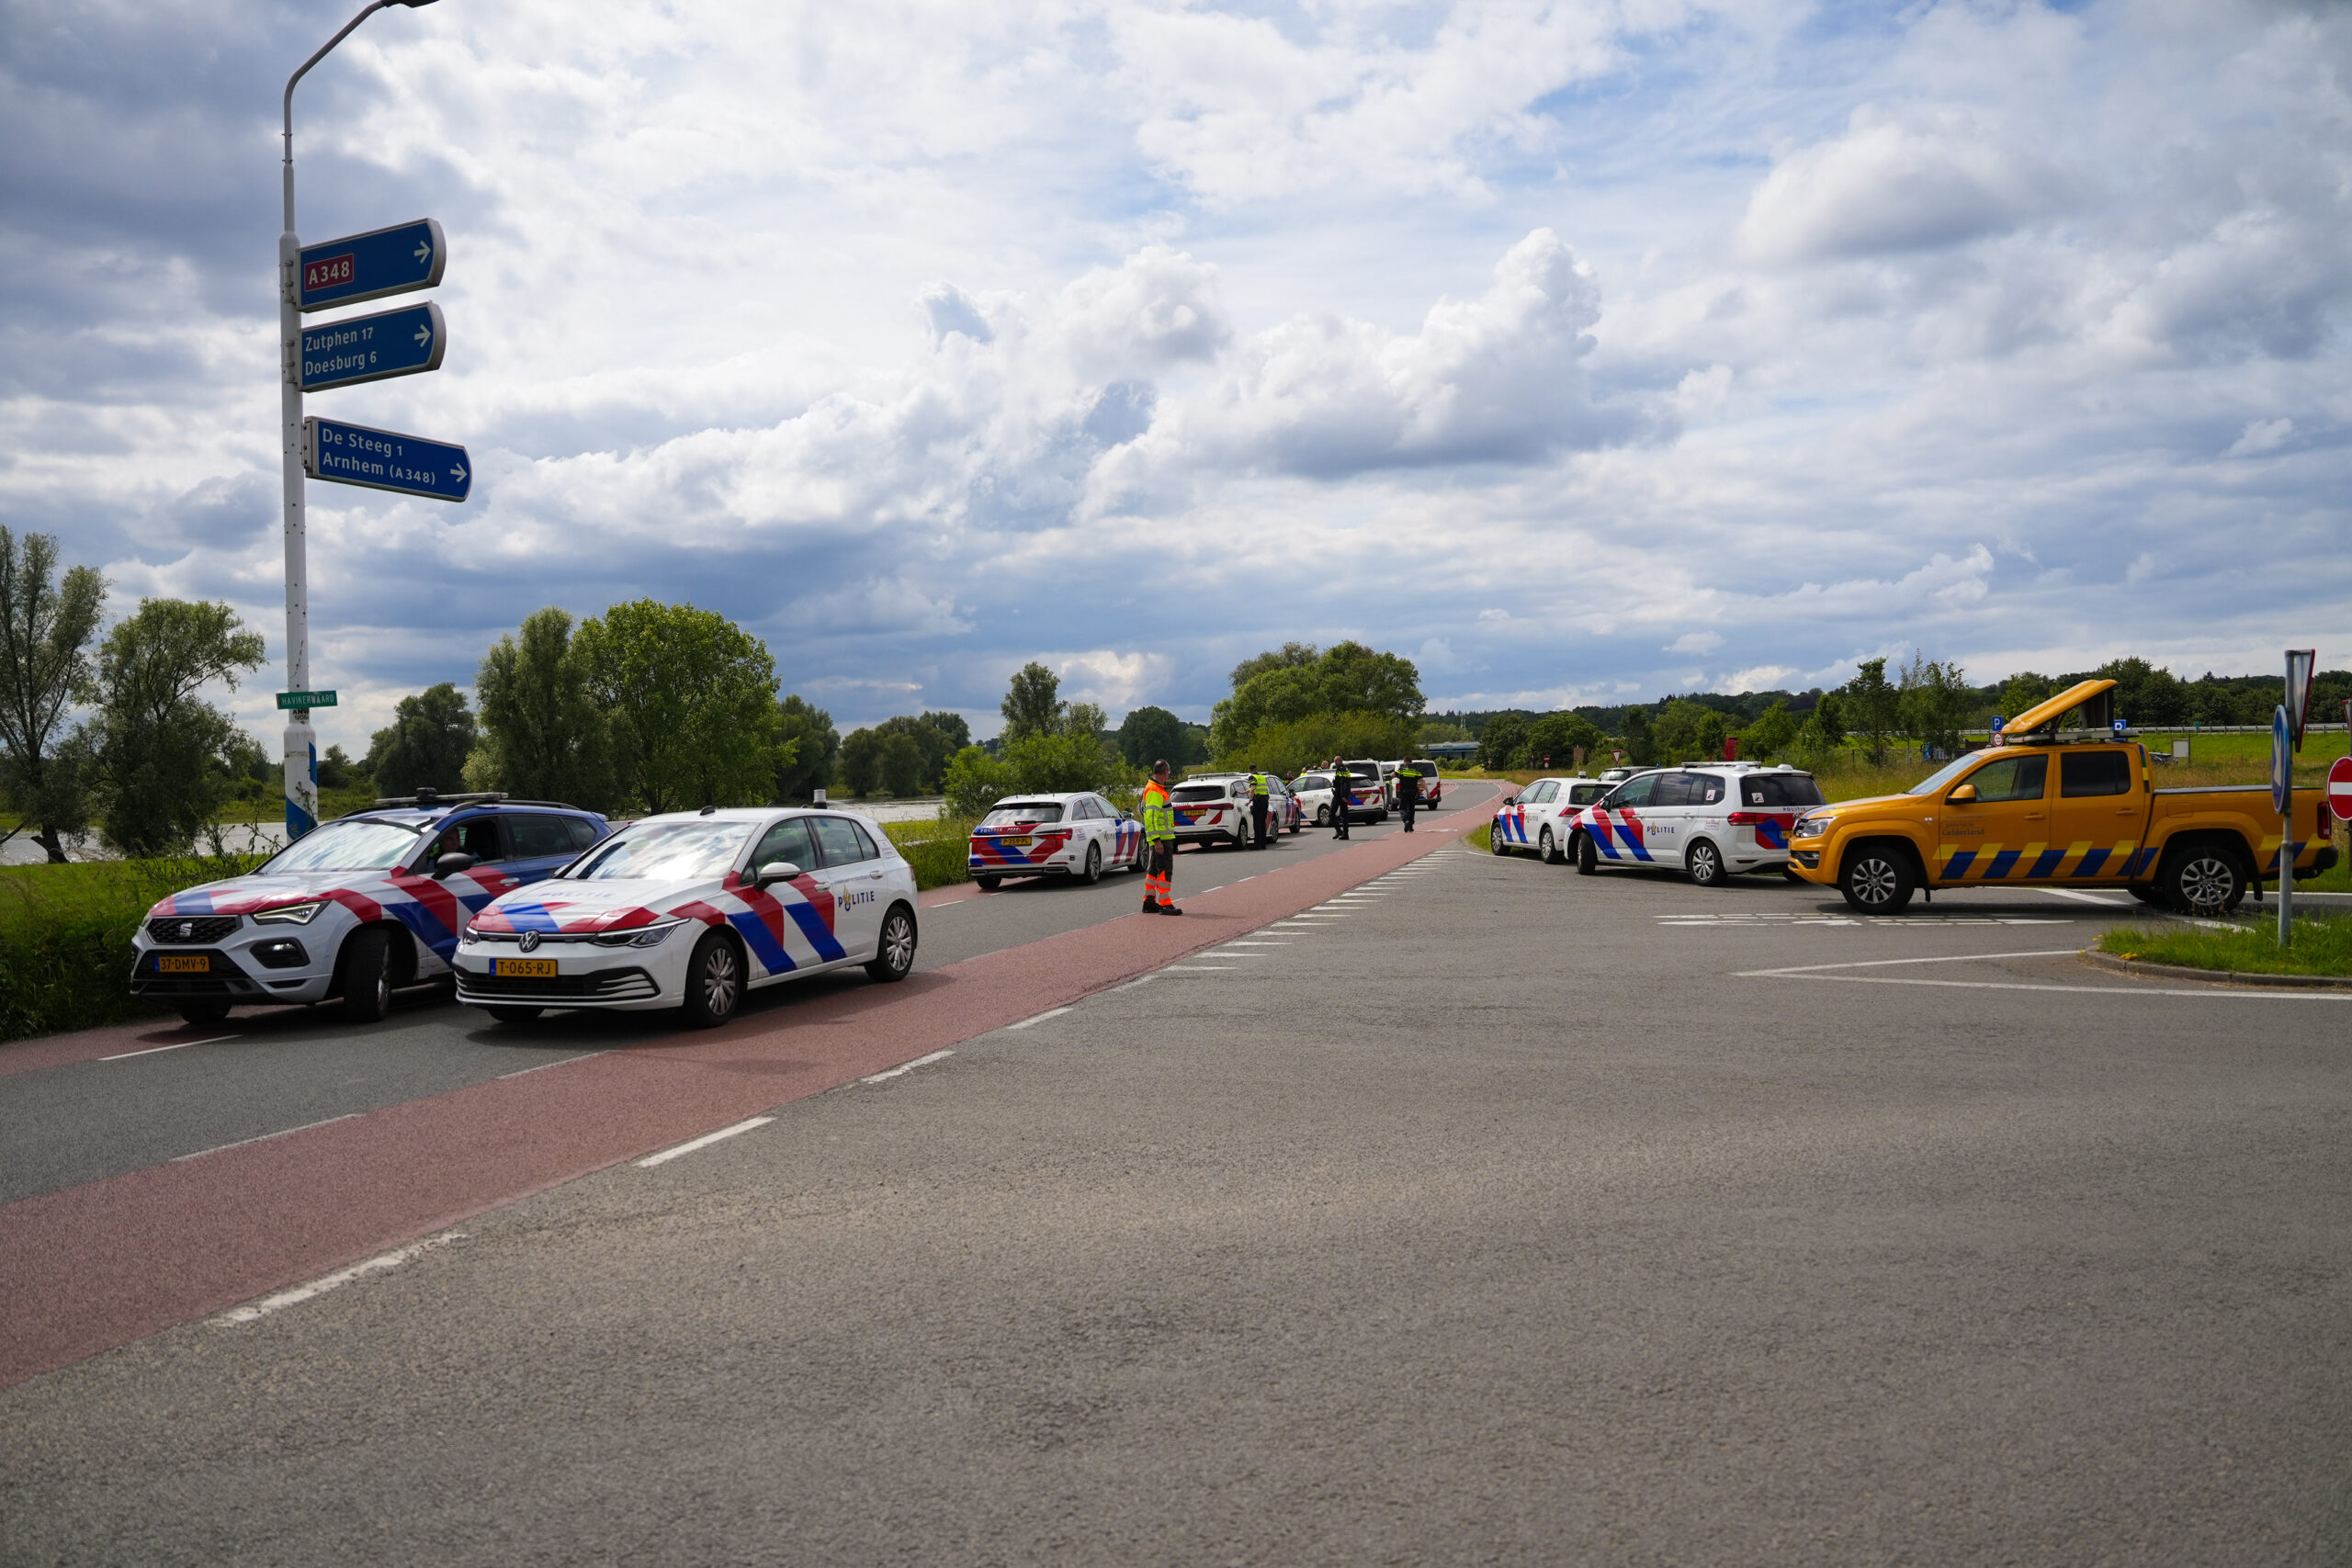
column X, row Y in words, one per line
column 368, row 266
column 406, row 342
column 385, row 459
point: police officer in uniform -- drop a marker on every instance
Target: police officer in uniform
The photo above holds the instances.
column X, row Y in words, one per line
column 1160, row 844
column 1342, row 792
column 1408, row 791
column 1258, row 805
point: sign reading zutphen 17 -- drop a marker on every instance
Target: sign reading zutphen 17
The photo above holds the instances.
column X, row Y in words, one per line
column 368, row 266
column 406, row 342
column 385, row 459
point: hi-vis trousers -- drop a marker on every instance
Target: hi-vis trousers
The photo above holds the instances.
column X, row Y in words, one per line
column 1158, row 880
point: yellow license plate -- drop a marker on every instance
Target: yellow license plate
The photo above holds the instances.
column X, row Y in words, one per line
column 523, row 968
column 184, row 963
column 1019, row 842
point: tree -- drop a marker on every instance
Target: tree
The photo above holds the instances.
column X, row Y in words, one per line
column 1689, row 731
column 1933, row 701
column 542, row 737
column 816, row 747
column 1346, row 678
column 1824, row 731
column 46, row 627
column 160, row 754
column 1290, row 656
column 1357, row 679
column 2146, row 695
column 2024, row 689
column 933, row 745
column 1771, row 732
column 1085, row 718
column 690, row 697
column 902, row 761
column 1149, row 734
column 1504, row 738
column 1033, row 705
column 1871, row 710
column 861, row 762
column 1557, row 736
column 1641, row 745
column 952, row 729
column 335, row 768
column 426, row 745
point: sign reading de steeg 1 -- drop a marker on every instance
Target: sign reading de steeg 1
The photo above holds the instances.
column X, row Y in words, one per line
column 368, row 266
column 385, row 459
column 406, row 342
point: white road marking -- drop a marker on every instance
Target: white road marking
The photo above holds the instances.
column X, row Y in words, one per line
column 2084, row 897
column 341, row 1276
column 1026, row 1024
column 1191, row 968
column 1233, row 944
column 900, row 1071
column 650, row 1161
column 125, row 1056
column 1131, row 985
column 1816, row 972
column 281, row 1133
column 1887, row 922
column 543, row 1066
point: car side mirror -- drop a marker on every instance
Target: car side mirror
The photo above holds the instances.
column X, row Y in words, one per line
column 451, row 863
column 775, row 870
column 1511, row 800
column 1963, row 796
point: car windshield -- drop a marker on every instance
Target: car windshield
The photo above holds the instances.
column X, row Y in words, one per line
column 1945, row 774
column 1009, row 812
column 1779, row 789
column 370, row 844
column 666, row 851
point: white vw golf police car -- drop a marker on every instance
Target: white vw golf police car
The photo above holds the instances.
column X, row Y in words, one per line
column 354, row 908
column 1215, row 808
column 1078, row 836
column 1537, row 816
column 1709, row 820
column 692, row 910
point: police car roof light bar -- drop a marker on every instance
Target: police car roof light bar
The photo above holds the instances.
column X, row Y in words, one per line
column 427, row 796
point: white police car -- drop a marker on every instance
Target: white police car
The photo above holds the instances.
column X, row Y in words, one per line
column 354, row 908
column 1079, row 836
column 1537, row 818
column 692, row 910
column 1710, row 822
column 1214, row 808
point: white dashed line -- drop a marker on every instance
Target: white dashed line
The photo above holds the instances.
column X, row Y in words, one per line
column 543, row 1066
column 2081, row 897
column 1193, row 968
column 341, row 1276
column 905, row 1067
column 1028, row 1023
column 650, row 1161
column 152, row 1050
column 281, row 1133
column 1816, row 972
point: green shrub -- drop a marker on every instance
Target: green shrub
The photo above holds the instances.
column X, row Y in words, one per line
column 939, row 851
column 65, row 937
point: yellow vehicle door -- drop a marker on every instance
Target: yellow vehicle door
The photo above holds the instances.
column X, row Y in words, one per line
column 2097, row 818
column 1994, row 819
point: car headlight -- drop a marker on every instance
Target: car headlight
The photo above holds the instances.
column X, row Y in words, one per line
column 470, row 936
column 290, row 914
column 1812, row 827
column 643, row 936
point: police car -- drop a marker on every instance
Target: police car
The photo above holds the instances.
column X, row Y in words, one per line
column 1538, row 817
column 1710, row 822
column 1212, row 808
column 693, row 911
column 354, row 908
column 1079, row 836
column 1368, row 795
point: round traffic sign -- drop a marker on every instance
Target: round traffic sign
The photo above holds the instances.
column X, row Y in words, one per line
column 2339, row 789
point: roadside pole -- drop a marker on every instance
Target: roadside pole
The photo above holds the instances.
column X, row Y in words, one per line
column 300, row 773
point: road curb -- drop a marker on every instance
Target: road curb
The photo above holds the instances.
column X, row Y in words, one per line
column 2119, row 966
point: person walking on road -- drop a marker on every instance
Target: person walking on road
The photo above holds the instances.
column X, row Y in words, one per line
column 1257, row 811
column 1408, row 792
column 1343, row 791
column 1160, row 844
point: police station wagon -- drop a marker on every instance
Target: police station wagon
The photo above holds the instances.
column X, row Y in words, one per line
column 1708, row 821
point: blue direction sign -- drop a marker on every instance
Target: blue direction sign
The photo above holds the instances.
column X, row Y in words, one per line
column 406, row 342
column 385, row 459
column 368, row 266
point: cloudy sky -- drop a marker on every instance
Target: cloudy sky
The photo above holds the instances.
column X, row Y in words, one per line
column 1577, row 350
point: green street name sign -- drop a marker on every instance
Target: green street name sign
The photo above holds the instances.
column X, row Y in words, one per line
column 306, row 699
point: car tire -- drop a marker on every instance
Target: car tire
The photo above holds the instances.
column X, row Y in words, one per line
column 714, row 981
column 894, row 956
column 1704, row 864
column 1241, row 837
column 512, row 1014
column 1877, row 879
column 1322, row 816
column 203, row 1015
column 1547, row 851
column 1093, row 871
column 990, row 884
column 364, row 974
column 1587, row 857
column 1497, row 840
column 2201, row 879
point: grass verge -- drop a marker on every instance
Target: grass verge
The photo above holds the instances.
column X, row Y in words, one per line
column 65, row 937
column 940, row 850
column 2322, row 945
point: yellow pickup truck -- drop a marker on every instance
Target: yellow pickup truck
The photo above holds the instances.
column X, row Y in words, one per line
column 2044, row 809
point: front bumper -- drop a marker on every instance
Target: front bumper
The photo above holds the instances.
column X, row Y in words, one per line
column 233, row 972
column 625, row 979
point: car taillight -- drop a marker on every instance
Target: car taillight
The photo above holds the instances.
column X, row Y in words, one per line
column 2326, row 821
column 1749, row 818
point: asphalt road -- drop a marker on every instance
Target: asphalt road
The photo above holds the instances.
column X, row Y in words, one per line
column 268, row 1070
column 1489, row 1213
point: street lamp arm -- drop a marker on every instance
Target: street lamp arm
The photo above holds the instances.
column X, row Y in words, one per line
column 324, row 50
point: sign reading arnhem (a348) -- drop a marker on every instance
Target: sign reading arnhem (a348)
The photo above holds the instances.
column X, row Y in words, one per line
column 368, row 266
column 385, row 459
column 405, row 341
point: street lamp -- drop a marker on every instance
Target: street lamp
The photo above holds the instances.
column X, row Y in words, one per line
column 301, row 771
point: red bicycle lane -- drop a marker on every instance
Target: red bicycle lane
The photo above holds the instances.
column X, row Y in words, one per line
column 91, row 1268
